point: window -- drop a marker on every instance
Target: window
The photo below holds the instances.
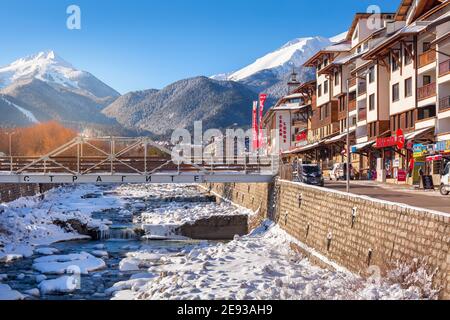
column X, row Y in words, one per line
column 320, row 113
column 366, row 45
column 371, row 74
column 394, row 62
column 426, row 80
column 372, row 102
column 426, row 46
column 411, row 119
column 325, row 62
column 426, row 112
column 319, row 66
column 355, row 35
column 408, row 52
column 325, row 87
column 395, row 92
column 336, row 78
column 408, row 87
column 319, row 90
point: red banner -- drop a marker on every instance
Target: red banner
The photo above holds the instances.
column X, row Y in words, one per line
column 262, row 101
column 255, row 125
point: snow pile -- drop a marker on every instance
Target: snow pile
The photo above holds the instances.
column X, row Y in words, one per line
column 82, row 263
column 29, row 222
column 258, row 266
column 65, row 284
column 6, row 293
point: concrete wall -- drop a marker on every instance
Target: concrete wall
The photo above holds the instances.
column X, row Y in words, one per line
column 11, row 192
column 353, row 231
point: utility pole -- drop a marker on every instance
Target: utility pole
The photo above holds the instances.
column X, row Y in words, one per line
column 348, row 137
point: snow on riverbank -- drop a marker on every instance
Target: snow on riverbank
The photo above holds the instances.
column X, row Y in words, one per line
column 177, row 205
column 28, row 222
column 258, row 266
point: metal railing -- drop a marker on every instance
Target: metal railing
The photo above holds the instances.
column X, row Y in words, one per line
column 362, row 114
column 444, row 104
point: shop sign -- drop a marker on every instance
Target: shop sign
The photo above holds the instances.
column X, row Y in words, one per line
column 443, row 146
column 394, row 141
column 420, row 150
column 396, row 163
column 434, row 158
column 401, row 176
column 302, row 136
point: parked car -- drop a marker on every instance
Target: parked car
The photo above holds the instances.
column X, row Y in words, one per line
column 339, row 172
column 310, row 174
column 445, row 181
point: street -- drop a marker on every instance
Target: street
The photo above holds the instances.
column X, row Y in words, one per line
column 432, row 200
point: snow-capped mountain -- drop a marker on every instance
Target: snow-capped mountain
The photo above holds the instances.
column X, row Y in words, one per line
column 49, row 67
column 270, row 72
column 44, row 87
column 292, row 54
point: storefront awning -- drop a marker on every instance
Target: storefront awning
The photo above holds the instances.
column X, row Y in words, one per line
column 358, row 147
column 304, row 148
column 418, row 133
column 338, row 138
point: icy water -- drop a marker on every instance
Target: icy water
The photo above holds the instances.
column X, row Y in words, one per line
column 120, row 239
column 22, row 277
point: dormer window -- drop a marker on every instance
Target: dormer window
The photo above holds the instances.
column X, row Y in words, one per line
column 355, row 35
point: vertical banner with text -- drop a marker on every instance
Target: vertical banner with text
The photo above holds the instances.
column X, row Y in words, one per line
column 262, row 101
column 255, row 125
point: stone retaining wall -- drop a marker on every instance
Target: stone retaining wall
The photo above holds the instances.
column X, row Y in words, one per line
column 11, row 192
column 356, row 232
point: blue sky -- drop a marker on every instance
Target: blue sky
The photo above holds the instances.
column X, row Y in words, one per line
column 142, row 44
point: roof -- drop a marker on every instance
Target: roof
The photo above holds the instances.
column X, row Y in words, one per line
column 412, row 29
column 335, row 48
column 360, row 16
column 289, row 108
column 403, row 9
column 418, row 133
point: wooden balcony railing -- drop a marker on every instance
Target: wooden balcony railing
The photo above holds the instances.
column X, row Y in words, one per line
column 352, row 82
column 427, row 91
column 444, row 68
column 351, row 105
column 444, row 104
column 362, row 114
column 427, row 58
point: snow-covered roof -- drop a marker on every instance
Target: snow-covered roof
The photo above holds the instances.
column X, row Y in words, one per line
column 417, row 133
column 293, row 96
column 360, row 146
column 338, row 137
column 290, row 108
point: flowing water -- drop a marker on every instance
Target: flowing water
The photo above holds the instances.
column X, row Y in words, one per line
column 122, row 237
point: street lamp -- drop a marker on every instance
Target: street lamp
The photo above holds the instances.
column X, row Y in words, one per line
column 10, row 134
column 363, row 77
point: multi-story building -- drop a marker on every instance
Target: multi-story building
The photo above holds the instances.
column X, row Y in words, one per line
column 409, row 52
column 392, row 73
column 290, row 117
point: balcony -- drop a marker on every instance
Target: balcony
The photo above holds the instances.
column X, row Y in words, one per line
column 362, row 114
column 444, row 104
column 351, row 105
column 444, row 68
column 426, row 92
column 427, row 58
column 362, row 89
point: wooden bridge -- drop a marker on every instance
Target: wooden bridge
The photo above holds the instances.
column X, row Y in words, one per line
column 130, row 160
